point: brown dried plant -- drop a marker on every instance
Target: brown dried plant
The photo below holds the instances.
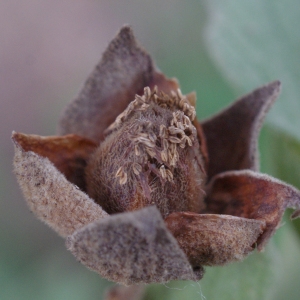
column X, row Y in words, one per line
column 139, row 188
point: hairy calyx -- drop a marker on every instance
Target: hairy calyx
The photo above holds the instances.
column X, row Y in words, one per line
column 151, row 156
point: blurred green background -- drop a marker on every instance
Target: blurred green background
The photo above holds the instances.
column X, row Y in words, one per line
column 220, row 49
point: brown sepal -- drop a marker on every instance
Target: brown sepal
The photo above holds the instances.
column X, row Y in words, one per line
column 213, row 239
column 131, row 248
column 124, row 70
column 50, row 196
column 232, row 134
column 68, row 153
column 252, row 195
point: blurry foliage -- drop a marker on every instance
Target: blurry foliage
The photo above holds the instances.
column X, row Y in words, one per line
column 258, row 41
column 246, row 44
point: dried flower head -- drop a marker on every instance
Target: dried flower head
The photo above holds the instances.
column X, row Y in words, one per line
column 141, row 190
column 148, row 157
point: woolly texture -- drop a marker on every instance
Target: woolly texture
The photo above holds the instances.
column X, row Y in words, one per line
column 214, row 240
column 114, row 79
column 51, row 197
column 155, row 153
column 232, row 134
column 68, row 153
column 239, row 193
column 131, row 248
column 152, row 156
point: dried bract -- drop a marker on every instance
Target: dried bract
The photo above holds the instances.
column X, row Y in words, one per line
column 145, row 252
column 143, row 191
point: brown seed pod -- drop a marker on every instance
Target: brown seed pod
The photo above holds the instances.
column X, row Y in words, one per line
column 126, row 171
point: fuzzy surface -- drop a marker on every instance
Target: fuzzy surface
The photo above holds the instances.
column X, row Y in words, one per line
column 146, row 160
column 50, row 196
column 131, row 248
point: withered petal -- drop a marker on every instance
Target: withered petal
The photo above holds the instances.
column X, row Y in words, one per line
column 68, row 153
column 232, row 134
column 131, row 248
column 124, row 70
column 213, row 239
column 252, row 195
column 53, row 199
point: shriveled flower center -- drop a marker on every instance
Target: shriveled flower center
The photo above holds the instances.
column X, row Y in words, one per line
column 150, row 156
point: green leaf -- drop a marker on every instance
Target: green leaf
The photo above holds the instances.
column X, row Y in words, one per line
column 287, row 287
column 255, row 42
column 280, row 156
